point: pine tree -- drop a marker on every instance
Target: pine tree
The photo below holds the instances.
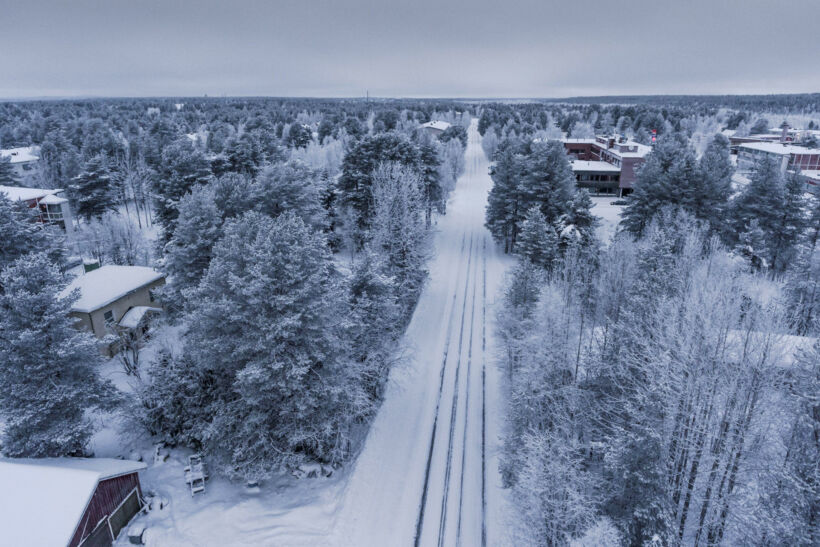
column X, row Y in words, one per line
column 579, row 220
column 761, row 199
column 183, row 166
column 266, row 335
column 49, row 374
column 504, row 203
column 716, row 171
column 663, row 180
column 432, row 192
column 548, row 181
column 189, row 252
column 290, row 187
column 8, row 176
column 93, row 189
column 537, row 241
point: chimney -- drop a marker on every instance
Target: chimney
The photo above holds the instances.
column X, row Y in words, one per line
column 784, row 131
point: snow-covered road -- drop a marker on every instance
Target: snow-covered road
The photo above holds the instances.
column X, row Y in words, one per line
column 428, row 473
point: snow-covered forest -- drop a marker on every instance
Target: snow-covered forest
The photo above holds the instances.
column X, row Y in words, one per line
column 650, row 362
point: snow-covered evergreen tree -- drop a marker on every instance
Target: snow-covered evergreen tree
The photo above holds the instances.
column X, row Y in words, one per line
column 266, row 333
column 49, row 373
column 183, row 166
column 290, row 187
column 664, row 179
column 548, row 181
column 92, row 190
column 189, row 252
column 538, row 241
column 504, row 205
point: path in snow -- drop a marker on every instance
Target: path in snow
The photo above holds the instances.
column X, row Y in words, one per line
column 428, row 473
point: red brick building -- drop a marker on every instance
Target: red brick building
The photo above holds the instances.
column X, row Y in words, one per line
column 602, row 162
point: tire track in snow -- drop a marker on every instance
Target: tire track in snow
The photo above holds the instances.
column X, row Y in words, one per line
column 484, row 397
column 420, row 519
column 454, row 410
column 466, row 413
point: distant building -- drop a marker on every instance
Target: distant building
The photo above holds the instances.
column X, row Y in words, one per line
column 51, row 207
column 606, row 164
column 789, row 156
column 435, row 128
column 23, row 159
column 67, row 501
column 114, row 297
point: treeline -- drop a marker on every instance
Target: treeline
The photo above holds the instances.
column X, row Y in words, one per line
column 781, row 104
column 289, row 283
column 699, row 121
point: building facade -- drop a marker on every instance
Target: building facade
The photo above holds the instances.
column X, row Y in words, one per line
column 606, row 165
column 789, row 156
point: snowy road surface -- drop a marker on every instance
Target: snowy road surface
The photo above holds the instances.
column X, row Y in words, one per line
column 428, row 473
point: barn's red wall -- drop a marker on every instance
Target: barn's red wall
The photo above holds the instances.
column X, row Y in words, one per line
column 108, row 495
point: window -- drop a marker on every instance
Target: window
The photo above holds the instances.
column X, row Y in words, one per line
column 109, row 317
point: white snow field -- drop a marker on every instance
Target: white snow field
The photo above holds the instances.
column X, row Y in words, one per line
column 428, row 473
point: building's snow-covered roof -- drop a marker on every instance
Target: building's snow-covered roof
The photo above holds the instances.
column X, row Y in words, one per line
column 579, row 141
column 42, row 500
column 104, row 285
column 15, row 193
column 52, row 199
column 436, row 124
column 132, row 317
column 779, row 148
column 597, row 166
column 23, row 154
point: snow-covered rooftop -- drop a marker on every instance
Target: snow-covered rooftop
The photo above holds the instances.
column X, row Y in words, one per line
column 778, row 148
column 132, row 317
column 42, row 500
column 15, row 193
column 21, row 155
column 104, row 285
column 597, row 166
column 436, row 124
column 52, row 199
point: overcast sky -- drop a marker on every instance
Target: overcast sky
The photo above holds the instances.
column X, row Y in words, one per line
column 413, row 48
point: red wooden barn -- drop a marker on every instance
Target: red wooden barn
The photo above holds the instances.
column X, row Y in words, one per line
column 67, row 501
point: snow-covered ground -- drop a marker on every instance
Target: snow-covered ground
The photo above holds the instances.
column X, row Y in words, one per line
column 428, row 471
column 609, row 214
